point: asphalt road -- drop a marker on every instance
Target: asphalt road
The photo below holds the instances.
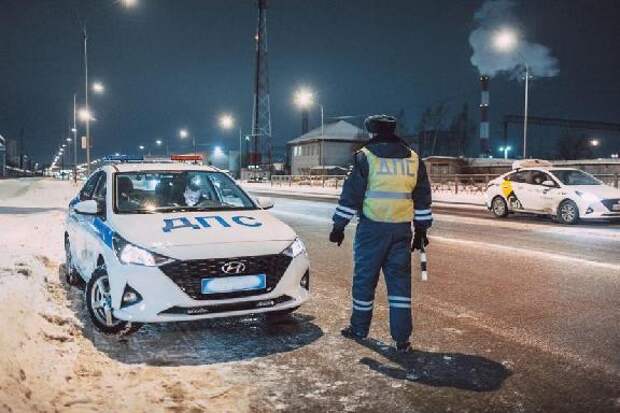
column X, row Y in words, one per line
column 518, row 315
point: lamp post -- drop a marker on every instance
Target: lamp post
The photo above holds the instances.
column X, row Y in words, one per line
column 159, row 143
column 75, row 143
column 227, row 122
column 505, row 149
column 183, row 133
column 304, row 98
column 507, row 40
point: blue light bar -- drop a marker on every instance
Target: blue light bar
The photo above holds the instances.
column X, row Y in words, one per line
column 123, row 158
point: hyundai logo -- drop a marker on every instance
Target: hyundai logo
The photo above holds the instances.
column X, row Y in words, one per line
column 233, row 267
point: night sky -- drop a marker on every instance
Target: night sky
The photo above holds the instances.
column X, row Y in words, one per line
column 169, row 64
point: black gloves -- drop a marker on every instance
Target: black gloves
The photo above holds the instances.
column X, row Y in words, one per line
column 336, row 236
column 419, row 239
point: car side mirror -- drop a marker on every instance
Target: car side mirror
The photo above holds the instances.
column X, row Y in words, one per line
column 264, row 202
column 88, row 207
column 549, row 184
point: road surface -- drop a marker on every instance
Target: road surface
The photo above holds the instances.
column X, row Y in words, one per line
column 518, row 315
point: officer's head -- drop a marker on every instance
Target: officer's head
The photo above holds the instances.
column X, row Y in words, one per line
column 380, row 124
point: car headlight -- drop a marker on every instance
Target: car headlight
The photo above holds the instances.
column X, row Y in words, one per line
column 588, row 196
column 128, row 253
column 295, row 249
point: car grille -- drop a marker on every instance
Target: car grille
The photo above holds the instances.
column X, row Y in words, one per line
column 609, row 203
column 189, row 274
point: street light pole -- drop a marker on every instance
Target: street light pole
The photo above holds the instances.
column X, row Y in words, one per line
column 75, row 143
column 86, row 100
column 527, row 79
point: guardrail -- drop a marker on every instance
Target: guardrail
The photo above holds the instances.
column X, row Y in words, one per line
column 469, row 183
column 325, row 181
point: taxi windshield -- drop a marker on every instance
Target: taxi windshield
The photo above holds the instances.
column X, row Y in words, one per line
column 575, row 177
column 169, row 191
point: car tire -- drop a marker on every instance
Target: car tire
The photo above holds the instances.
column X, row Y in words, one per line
column 276, row 317
column 499, row 207
column 568, row 213
column 71, row 275
column 98, row 302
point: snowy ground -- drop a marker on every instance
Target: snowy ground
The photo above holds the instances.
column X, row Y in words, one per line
column 469, row 196
column 519, row 315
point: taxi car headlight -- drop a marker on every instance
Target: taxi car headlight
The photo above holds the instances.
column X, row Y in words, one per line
column 295, row 249
column 129, row 253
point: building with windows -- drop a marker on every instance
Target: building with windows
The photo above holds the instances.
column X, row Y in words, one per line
column 325, row 148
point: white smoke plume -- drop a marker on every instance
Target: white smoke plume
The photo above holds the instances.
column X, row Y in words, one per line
column 493, row 17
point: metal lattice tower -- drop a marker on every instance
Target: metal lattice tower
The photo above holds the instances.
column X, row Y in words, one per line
column 261, row 114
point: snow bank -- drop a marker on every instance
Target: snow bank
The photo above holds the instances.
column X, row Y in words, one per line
column 50, row 357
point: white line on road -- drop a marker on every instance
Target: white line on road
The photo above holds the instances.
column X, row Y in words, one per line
column 529, row 252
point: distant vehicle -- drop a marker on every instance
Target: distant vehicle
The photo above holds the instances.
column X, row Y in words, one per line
column 536, row 187
column 157, row 242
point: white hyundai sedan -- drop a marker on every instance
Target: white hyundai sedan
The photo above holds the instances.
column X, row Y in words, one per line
column 564, row 193
column 158, row 242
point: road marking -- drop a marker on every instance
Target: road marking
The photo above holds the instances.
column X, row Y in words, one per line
column 529, row 252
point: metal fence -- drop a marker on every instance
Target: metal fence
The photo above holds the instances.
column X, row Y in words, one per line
column 325, row 181
column 469, row 183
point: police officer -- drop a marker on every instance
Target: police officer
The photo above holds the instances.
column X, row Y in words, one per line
column 388, row 188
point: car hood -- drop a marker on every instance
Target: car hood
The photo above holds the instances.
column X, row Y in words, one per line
column 601, row 191
column 160, row 232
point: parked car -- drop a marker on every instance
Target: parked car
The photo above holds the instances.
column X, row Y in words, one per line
column 567, row 194
column 160, row 242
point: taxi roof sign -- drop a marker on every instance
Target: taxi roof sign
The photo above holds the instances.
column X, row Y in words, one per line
column 531, row 163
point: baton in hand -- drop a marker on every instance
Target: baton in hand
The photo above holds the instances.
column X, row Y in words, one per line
column 423, row 271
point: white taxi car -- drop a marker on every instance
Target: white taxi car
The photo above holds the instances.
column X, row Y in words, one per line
column 158, row 242
column 537, row 187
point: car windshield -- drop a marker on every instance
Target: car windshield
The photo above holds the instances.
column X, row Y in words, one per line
column 575, row 177
column 168, row 191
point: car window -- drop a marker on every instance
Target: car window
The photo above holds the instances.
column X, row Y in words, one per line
column 538, row 177
column 575, row 177
column 148, row 192
column 100, row 192
column 519, row 177
column 89, row 187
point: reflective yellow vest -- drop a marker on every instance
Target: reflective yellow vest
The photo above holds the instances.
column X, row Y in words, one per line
column 390, row 184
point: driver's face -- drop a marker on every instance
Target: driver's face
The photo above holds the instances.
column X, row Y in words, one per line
column 192, row 196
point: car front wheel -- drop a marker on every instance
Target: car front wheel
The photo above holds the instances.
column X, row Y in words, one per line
column 99, row 303
column 499, row 207
column 568, row 213
column 71, row 275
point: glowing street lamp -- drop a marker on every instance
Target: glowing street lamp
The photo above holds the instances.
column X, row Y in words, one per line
column 129, row 3
column 98, row 87
column 304, row 98
column 506, row 40
column 141, row 147
column 227, row 122
column 505, row 149
column 595, row 142
column 85, row 115
column 184, row 133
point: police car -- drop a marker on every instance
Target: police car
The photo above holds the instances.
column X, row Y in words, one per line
column 158, row 242
column 535, row 186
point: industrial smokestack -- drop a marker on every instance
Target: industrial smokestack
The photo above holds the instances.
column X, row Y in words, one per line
column 484, row 116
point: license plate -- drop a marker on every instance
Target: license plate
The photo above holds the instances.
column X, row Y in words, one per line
column 219, row 285
column 615, row 207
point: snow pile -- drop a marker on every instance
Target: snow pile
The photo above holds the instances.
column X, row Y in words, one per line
column 51, row 359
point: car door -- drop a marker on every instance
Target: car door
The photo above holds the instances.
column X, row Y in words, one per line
column 540, row 197
column 80, row 239
column 515, row 190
